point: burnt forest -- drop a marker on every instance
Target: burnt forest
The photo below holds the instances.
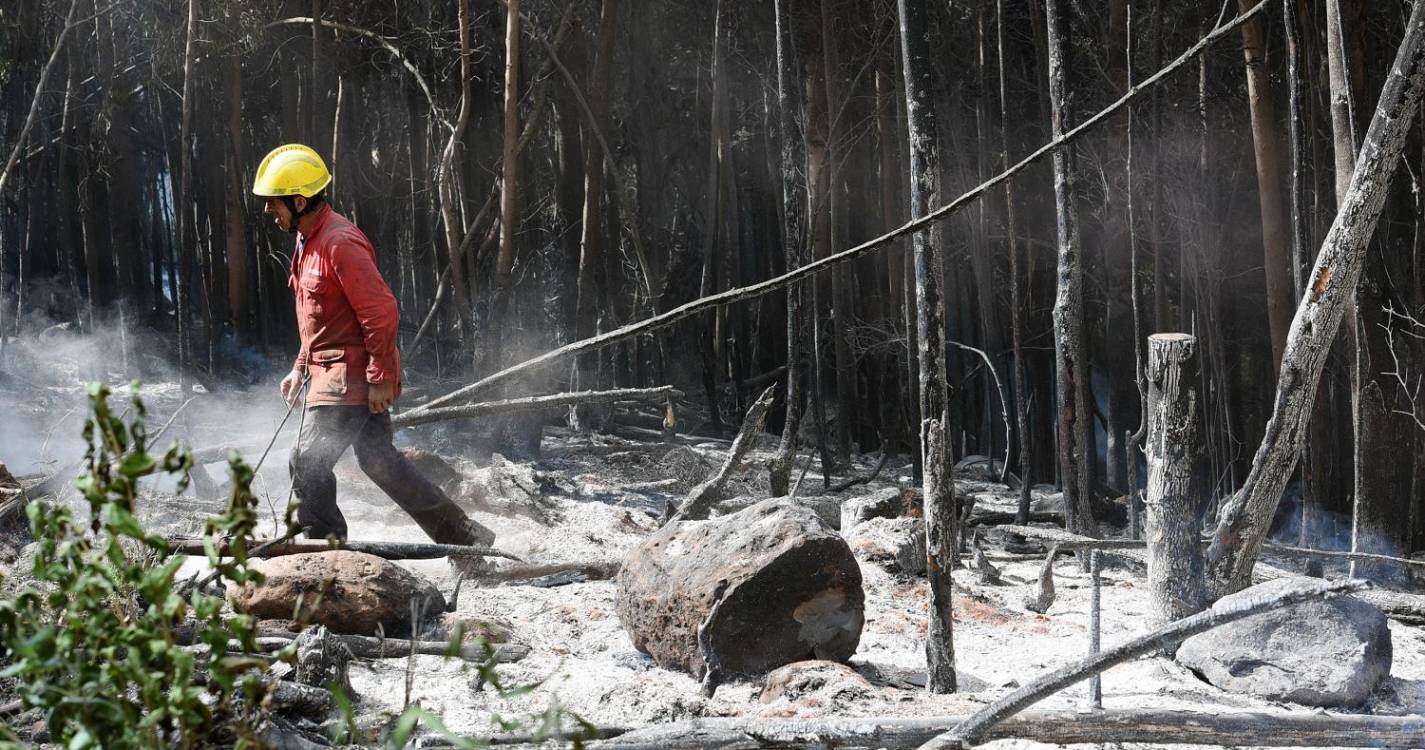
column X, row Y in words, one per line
column 615, row 374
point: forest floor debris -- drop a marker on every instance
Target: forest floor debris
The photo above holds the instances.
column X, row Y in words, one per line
column 594, row 497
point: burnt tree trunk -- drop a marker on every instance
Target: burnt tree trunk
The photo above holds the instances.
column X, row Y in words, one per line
column 1276, row 262
column 1245, row 520
column 936, row 480
column 1016, row 320
column 781, row 467
column 449, row 190
column 589, row 291
column 1070, row 349
column 1175, row 570
column 183, row 313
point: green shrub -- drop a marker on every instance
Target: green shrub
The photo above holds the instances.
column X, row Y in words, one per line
column 91, row 643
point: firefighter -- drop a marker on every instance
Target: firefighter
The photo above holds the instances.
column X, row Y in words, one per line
column 347, row 319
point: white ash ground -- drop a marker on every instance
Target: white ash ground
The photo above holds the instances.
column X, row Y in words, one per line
column 582, row 658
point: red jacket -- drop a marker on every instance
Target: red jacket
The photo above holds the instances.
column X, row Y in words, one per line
column 346, row 314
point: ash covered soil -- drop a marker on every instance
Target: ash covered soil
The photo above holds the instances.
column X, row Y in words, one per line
column 582, row 659
column 591, row 498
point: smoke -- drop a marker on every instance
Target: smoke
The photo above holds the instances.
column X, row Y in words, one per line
column 43, row 398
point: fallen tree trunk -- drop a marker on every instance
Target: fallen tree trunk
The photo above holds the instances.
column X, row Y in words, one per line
column 975, row 728
column 371, row 647
column 701, row 498
column 593, row 571
column 384, row 550
column 689, row 309
column 743, row 593
column 1054, row 727
column 531, row 403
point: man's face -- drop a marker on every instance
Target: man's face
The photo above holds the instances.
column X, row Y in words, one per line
column 280, row 213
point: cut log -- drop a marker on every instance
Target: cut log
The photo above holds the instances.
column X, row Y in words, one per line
column 1175, row 567
column 743, row 593
column 1054, row 727
column 383, row 550
column 701, row 499
column 532, row 403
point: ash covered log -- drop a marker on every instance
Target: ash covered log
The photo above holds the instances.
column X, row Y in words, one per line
column 743, row 593
column 383, row 550
column 1276, row 729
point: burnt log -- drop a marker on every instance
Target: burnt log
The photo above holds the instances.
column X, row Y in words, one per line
column 744, row 593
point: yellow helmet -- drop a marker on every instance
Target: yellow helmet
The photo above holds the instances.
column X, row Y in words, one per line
column 292, row 169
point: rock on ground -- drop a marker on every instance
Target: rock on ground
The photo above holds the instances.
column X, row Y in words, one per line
column 359, row 594
column 1325, row 652
column 828, row 679
column 887, row 502
column 743, row 593
column 897, row 544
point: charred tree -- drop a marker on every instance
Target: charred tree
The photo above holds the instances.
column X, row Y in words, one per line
column 1175, row 571
column 781, row 467
column 1275, row 259
column 1071, row 361
column 930, row 347
column 589, row 292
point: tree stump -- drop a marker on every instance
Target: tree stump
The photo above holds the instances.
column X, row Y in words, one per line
column 1175, row 563
column 744, row 593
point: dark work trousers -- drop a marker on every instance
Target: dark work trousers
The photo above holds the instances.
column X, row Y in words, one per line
column 326, row 434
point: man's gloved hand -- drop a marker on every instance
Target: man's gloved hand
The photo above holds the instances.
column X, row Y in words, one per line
column 379, row 396
column 291, row 386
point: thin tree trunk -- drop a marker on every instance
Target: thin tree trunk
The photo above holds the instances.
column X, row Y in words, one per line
column 1016, row 293
column 1245, row 520
column 781, row 467
column 1275, row 259
column 509, row 192
column 589, row 291
column 835, row 212
column 236, row 239
column 930, row 344
column 1070, row 348
column 180, row 201
column 449, row 190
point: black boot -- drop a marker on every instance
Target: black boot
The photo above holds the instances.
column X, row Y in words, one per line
column 447, row 524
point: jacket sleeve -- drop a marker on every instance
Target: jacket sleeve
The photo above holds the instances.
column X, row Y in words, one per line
column 354, row 264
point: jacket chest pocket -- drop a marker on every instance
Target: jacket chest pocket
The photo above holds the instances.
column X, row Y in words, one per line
column 315, row 292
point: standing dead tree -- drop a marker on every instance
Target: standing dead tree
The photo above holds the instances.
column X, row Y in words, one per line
column 936, row 479
column 1175, row 574
column 1071, row 362
column 1243, row 522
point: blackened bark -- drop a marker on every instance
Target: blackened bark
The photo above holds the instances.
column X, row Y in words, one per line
column 781, row 467
column 1070, row 348
column 930, row 346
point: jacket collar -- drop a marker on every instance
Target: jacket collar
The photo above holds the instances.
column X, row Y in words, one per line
column 324, row 214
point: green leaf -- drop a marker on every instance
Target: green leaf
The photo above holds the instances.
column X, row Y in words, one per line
column 138, row 465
